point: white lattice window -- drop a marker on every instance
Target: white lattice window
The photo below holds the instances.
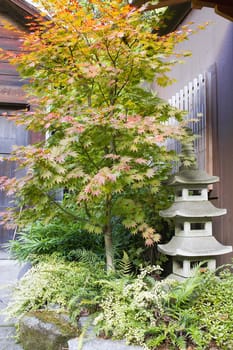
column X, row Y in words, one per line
column 193, row 99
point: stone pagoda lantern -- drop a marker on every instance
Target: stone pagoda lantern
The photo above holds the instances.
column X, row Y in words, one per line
column 192, row 213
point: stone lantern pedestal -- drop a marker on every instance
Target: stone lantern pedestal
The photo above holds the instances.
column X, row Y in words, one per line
column 192, row 213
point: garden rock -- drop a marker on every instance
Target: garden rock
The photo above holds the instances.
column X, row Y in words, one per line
column 24, row 269
column 40, row 330
column 101, row 344
column 89, row 341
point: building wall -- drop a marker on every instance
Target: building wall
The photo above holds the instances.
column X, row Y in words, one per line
column 212, row 53
column 10, row 84
column 12, row 98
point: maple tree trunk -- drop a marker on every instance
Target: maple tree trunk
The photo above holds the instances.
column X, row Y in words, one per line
column 108, row 238
column 109, row 250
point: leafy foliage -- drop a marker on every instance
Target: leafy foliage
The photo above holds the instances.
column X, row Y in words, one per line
column 74, row 244
column 150, row 313
column 125, row 265
column 177, row 325
column 88, row 65
column 130, row 305
column 66, row 239
column 214, row 309
column 195, row 314
column 73, row 286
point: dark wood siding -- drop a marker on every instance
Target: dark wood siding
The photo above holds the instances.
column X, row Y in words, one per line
column 10, row 83
column 10, row 135
column 12, row 98
column 6, row 169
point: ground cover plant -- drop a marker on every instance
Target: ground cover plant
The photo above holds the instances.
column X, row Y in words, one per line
column 156, row 314
column 87, row 65
column 214, row 309
column 194, row 314
column 54, row 282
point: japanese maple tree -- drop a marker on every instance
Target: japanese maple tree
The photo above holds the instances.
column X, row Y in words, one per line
column 88, row 65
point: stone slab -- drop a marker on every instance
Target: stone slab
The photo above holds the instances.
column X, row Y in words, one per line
column 7, row 332
column 4, row 255
column 101, row 344
column 9, row 270
column 4, row 321
column 9, row 345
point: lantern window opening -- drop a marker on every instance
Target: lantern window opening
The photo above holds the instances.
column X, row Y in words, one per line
column 195, row 192
column 179, row 193
column 195, row 263
column 197, row 226
column 181, row 226
column 191, row 194
column 179, row 264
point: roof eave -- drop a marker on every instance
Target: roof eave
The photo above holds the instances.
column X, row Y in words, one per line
column 19, row 10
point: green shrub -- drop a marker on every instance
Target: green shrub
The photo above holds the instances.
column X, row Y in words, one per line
column 131, row 305
column 149, row 312
column 56, row 237
column 69, row 241
column 214, row 309
column 142, row 309
column 196, row 313
column 67, row 285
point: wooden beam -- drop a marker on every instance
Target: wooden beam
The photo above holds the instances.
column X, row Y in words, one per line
column 161, row 3
column 18, row 10
column 23, row 5
column 12, row 94
column 212, row 3
column 223, row 8
column 225, row 11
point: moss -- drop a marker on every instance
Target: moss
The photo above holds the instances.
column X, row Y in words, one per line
column 43, row 329
column 61, row 321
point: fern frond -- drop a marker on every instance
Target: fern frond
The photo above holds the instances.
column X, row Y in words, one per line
column 83, row 255
column 180, row 343
column 125, row 265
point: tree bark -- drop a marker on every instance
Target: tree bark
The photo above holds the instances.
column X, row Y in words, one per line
column 109, row 250
column 108, row 237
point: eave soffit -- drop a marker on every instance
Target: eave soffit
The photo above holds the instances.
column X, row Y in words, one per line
column 18, row 10
column 223, row 8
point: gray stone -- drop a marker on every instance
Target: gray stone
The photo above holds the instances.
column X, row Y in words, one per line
column 7, row 332
column 85, row 324
column 195, row 209
column 9, row 271
column 89, row 341
column 45, row 329
column 24, row 269
column 7, row 338
column 8, row 276
column 4, row 255
column 192, row 212
column 9, row 345
column 194, row 246
column 101, row 344
column 192, row 177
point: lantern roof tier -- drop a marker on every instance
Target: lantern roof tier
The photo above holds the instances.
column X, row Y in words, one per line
column 192, row 209
column 194, row 247
column 192, row 176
